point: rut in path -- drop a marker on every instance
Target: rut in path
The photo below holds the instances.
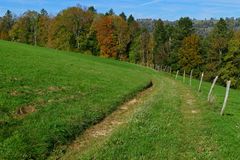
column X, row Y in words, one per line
column 195, row 141
column 98, row 133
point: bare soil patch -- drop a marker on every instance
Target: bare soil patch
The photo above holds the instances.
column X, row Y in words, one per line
column 26, row 110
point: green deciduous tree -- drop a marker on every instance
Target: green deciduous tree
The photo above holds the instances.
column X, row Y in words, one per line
column 183, row 28
column 26, row 28
column 92, row 43
column 231, row 68
column 146, row 43
column 70, row 28
column 160, row 43
column 135, row 49
column 218, row 47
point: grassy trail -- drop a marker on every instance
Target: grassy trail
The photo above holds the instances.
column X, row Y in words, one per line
column 195, row 141
column 169, row 124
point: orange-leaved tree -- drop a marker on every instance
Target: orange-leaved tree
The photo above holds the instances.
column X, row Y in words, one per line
column 105, row 35
column 113, row 36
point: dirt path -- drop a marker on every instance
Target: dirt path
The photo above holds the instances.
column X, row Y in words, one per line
column 98, row 133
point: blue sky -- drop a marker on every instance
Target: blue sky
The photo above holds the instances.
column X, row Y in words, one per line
column 164, row 9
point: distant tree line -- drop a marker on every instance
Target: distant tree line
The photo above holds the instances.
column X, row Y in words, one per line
column 178, row 44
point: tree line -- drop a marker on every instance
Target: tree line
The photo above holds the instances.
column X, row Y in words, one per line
column 202, row 27
column 177, row 45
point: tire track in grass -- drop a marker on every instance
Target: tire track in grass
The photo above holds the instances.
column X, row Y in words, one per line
column 98, row 133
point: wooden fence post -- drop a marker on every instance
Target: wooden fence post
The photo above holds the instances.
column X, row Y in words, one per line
column 177, row 74
column 190, row 82
column 226, row 96
column 170, row 70
column 211, row 89
column 184, row 76
column 200, row 84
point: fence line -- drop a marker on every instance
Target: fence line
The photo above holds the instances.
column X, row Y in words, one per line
column 200, row 85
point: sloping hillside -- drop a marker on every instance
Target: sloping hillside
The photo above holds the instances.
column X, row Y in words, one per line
column 48, row 97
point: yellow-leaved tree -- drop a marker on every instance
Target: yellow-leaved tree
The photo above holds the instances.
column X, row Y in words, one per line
column 189, row 54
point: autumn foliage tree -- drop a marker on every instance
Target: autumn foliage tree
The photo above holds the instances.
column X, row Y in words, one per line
column 113, row 36
column 105, row 35
column 43, row 28
column 6, row 24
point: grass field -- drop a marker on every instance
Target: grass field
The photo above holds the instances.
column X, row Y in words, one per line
column 48, row 98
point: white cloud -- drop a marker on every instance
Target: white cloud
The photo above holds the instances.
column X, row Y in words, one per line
column 150, row 2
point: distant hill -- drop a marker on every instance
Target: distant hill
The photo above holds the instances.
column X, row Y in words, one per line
column 202, row 27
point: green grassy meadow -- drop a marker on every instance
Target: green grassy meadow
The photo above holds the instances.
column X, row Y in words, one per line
column 49, row 97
